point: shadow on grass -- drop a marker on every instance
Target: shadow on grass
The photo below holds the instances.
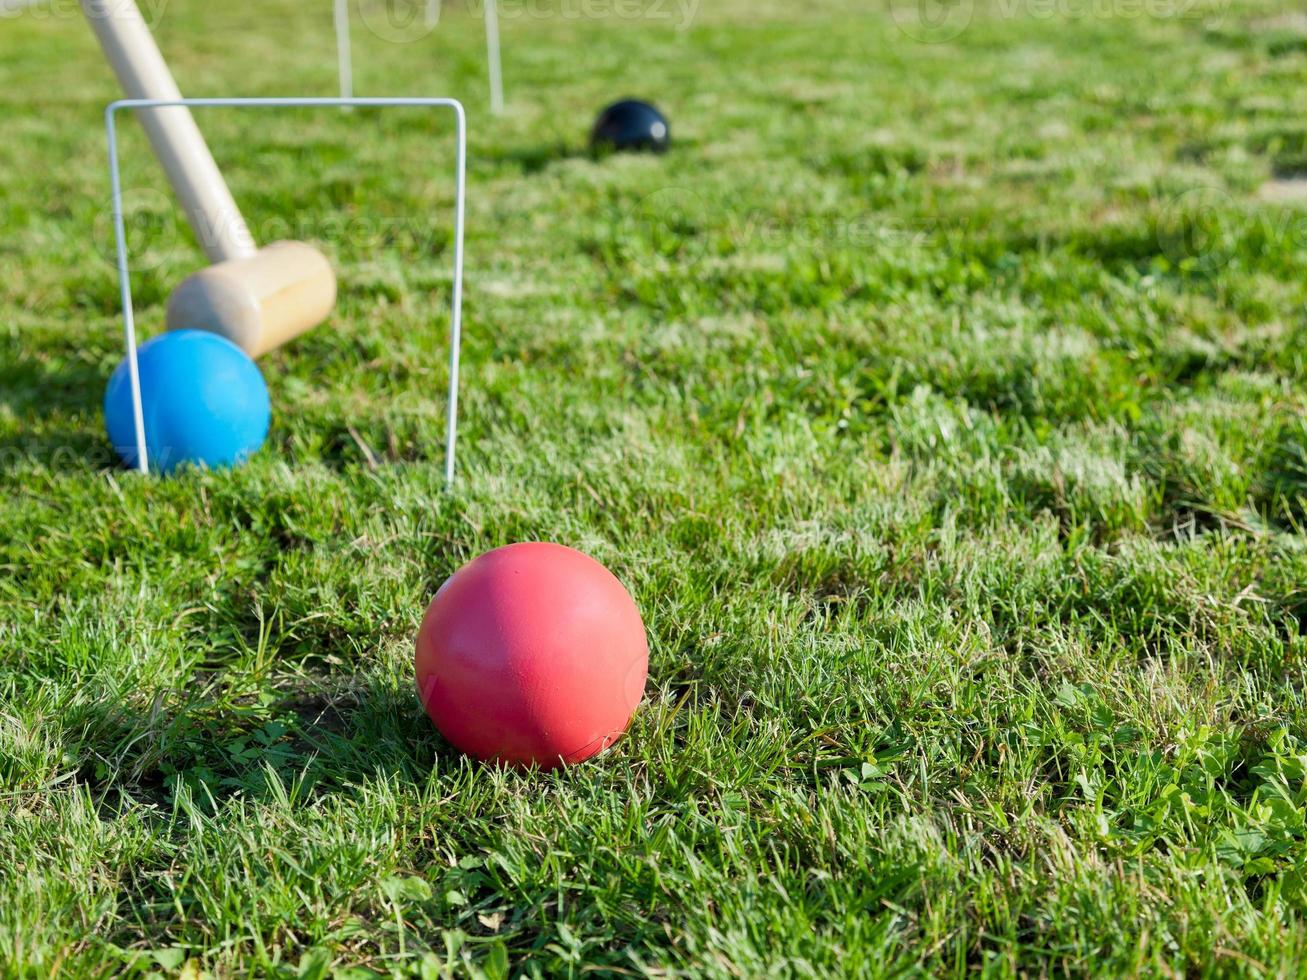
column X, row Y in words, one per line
column 48, row 384
column 1282, row 490
column 56, row 449
column 319, row 735
column 54, row 397
column 529, row 160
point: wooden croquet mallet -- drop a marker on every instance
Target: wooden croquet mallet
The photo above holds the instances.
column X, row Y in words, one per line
column 259, row 298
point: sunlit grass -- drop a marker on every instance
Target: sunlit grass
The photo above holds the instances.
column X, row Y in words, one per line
column 941, row 404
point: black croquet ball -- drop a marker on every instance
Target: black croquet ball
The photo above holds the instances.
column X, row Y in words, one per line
column 631, row 125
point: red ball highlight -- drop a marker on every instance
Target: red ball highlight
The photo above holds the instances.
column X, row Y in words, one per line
column 532, row 655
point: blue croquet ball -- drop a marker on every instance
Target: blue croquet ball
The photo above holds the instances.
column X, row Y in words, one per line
column 204, row 402
column 631, row 125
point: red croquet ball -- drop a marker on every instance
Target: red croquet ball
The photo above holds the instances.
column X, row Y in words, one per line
column 532, row 654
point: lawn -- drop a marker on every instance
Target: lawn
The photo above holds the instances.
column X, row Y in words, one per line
column 940, row 398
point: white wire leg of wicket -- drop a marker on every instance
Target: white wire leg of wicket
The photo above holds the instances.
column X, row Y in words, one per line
column 120, row 237
column 344, row 53
column 494, row 63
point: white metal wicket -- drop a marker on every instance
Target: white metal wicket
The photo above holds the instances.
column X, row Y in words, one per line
column 494, row 63
column 124, row 272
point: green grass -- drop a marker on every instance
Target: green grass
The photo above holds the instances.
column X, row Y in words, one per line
column 942, row 405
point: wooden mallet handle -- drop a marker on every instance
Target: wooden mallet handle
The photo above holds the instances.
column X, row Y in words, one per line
column 177, row 141
column 257, row 298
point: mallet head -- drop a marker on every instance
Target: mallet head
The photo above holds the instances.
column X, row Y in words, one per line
column 259, row 302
